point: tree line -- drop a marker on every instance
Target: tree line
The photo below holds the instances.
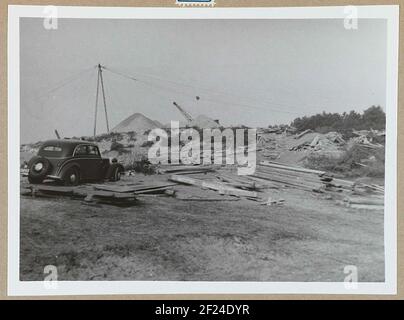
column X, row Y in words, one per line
column 372, row 118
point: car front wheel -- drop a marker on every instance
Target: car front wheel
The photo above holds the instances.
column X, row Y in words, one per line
column 71, row 177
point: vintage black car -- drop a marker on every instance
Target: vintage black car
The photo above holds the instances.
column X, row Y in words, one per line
column 71, row 162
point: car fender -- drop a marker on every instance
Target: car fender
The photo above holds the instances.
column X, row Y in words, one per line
column 67, row 166
column 112, row 168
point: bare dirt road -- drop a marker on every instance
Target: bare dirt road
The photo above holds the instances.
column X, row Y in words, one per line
column 309, row 238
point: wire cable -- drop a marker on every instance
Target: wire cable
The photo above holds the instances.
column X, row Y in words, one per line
column 66, row 82
column 136, row 79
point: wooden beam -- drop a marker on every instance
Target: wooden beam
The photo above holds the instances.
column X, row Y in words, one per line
column 221, row 188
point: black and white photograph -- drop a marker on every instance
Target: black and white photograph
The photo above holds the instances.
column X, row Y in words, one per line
column 202, row 150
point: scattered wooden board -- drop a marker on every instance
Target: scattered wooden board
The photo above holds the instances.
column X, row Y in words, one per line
column 221, row 188
column 82, row 192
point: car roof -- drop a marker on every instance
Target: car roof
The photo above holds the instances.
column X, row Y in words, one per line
column 67, row 142
column 68, row 145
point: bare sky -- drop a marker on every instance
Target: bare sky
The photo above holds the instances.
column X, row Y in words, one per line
column 252, row 72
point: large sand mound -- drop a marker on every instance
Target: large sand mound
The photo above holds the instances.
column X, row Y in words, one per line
column 138, row 123
column 203, row 122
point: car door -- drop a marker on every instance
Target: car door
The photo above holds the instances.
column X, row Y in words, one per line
column 96, row 170
column 81, row 158
column 89, row 161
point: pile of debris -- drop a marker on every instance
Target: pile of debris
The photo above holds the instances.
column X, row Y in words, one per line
column 272, row 175
column 218, row 183
column 185, row 169
column 278, row 129
column 372, row 139
column 279, row 175
column 301, row 178
column 267, row 146
column 230, row 188
column 123, row 194
column 330, row 142
column 301, row 134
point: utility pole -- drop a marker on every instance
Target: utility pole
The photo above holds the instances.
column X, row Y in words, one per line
column 100, row 80
column 103, row 96
column 96, row 102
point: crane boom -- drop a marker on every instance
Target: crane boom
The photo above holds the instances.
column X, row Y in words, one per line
column 183, row 112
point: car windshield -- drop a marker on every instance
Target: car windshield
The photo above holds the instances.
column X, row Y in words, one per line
column 50, row 151
column 86, row 150
column 52, row 148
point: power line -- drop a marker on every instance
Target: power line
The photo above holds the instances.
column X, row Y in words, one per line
column 66, row 82
column 136, row 79
column 150, row 84
column 214, row 92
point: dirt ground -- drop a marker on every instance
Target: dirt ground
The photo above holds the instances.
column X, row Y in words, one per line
column 309, row 238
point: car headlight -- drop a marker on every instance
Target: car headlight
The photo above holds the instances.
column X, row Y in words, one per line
column 38, row 166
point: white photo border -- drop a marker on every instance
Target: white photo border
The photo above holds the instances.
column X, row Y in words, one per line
column 37, row 288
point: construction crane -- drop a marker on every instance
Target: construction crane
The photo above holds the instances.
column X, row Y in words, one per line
column 183, row 112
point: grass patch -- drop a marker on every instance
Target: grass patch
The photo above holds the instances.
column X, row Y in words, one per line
column 147, row 144
column 144, row 166
column 116, row 146
column 356, row 161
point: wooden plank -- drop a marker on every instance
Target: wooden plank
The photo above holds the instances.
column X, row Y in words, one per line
column 306, row 179
column 162, row 189
column 286, row 179
column 222, row 188
column 366, row 206
column 381, row 188
column 285, row 167
column 107, row 194
column 290, row 175
column 54, row 189
column 79, row 191
column 84, row 192
column 302, row 186
column 269, row 164
column 301, row 134
column 238, row 182
column 377, row 202
column 203, row 168
column 209, row 198
column 134, row 188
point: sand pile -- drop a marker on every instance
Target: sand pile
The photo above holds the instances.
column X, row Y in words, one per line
column 138, row 123
column 201, row 121
column 204, row 122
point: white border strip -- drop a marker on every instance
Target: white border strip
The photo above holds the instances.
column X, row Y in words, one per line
column 19, row 288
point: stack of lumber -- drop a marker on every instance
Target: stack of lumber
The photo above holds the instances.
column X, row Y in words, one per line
column 136, row 189
column 375, row 188
column 307, row 179
column 319, row 181
column 221, row 187
column 240, row 182
column 299, row 135
column 80, row 192
column 114, row 194
column 300, row 178
column 186, row 169
column 365, row 203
